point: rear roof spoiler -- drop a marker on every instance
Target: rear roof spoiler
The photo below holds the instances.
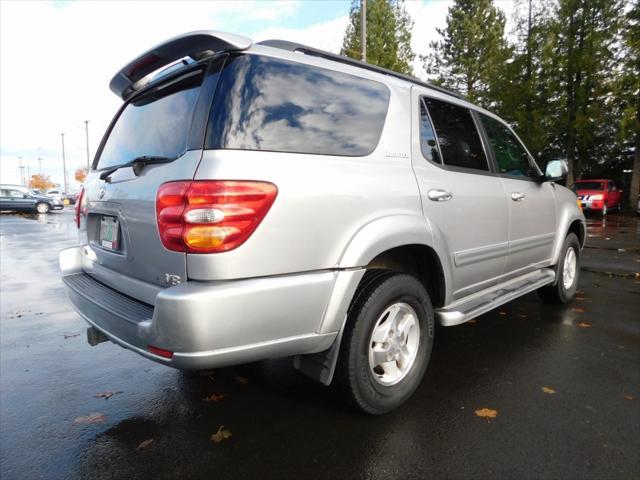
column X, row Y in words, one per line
column 196, row 45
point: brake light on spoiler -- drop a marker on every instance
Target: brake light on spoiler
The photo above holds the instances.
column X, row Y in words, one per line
column 211, row 216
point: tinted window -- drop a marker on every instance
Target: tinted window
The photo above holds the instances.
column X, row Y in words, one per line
column 457, row 135
column 427, row 136
column 511, row 157
column 16, row 194
column 156, row 123
column 270, row 104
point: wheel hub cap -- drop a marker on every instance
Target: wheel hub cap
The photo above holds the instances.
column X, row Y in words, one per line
column 569, row 269
column 394, row 344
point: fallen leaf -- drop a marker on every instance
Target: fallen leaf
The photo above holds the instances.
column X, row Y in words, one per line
column 522, row 315
column 206, row 373
column 629, row 397
column 242, row 380
column 214, row 397
column 473, row 321
column 584, row 325
column 578, row 310
column 502, row 313
column 71, row 336
column 145, row 444
column 89, row 419
column 637, row 274
column 221, row 435
column 107, row 395
column 548, row 390
column 486, row 413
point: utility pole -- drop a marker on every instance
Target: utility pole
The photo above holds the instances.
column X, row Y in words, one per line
column 64, row 166
column 21, row 167
column 28, row 176
column 86, row 131
column 363, row 28
column 40, row 165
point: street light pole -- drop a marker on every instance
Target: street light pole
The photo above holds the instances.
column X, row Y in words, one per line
column 64, row 166
column 21, row 167
column 86, row 131
column 363, row 28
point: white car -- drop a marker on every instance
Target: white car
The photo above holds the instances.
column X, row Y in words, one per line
column 55, row 194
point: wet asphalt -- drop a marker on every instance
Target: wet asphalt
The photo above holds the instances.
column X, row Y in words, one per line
column 564, row 383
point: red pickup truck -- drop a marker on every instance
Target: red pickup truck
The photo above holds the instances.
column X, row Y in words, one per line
column 598, row 195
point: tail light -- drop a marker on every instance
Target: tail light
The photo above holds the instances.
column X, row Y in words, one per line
column 79, row 206
column 211, row 216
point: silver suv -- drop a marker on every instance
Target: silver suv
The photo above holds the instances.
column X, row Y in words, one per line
column 252, row 201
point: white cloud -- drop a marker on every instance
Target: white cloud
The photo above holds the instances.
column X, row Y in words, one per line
column 56, row 61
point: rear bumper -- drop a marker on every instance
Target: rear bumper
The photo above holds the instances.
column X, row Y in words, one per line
column 208, row 324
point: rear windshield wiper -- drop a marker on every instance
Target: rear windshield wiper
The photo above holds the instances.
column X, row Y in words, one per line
column 137, row 163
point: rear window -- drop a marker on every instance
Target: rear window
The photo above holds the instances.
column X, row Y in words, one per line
column 154, row 124
column 271, row 104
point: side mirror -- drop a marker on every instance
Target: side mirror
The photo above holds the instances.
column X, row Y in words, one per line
column 556, row 170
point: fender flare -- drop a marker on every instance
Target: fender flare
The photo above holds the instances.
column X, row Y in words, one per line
column 370, row 241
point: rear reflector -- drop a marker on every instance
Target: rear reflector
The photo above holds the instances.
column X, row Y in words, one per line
column 161, row 352
column 211, row 216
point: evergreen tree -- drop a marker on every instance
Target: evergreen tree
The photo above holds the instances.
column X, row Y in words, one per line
column 628, row 94
column 471, row 56
column 525, row 90
column 388, row 35
column 586, row 36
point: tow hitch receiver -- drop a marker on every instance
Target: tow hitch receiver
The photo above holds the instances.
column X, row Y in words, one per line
column 95, row 336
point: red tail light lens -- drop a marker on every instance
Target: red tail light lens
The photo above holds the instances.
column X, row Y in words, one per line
column 79, row 206
column 211, row 216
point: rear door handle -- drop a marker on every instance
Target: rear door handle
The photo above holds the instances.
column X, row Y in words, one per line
column 439, row 195
column 517, row 196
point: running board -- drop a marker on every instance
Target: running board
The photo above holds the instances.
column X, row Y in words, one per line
column 481, row 302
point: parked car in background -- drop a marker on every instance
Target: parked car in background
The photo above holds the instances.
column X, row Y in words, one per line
column 54, row 193
column 598, row 195
column 18, row 198
column 273, row 200
column 70, row 197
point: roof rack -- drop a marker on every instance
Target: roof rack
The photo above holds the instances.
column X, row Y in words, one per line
column 296, row 47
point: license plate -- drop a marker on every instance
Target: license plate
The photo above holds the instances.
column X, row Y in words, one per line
column 110, row 233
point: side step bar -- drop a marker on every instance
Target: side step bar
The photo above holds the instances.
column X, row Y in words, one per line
column 468, row 308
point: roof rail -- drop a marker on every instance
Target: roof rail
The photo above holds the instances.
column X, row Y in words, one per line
column 296, row 47
column 196, row 45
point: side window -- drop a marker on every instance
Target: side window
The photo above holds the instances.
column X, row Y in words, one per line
column 457, row 135
column 427, row 136
column 511, row 157
column 16, row 194
column 269, row 104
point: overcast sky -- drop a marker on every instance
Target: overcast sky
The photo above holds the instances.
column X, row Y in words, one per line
column 57, row 58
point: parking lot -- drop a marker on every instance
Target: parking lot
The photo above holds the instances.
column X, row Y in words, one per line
column 561, row 386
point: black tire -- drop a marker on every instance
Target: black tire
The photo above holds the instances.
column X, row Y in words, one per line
column 378, row 291
column 42, row 207
column 558, row 293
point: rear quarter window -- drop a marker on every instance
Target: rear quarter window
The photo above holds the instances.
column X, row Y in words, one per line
column 271, row 104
